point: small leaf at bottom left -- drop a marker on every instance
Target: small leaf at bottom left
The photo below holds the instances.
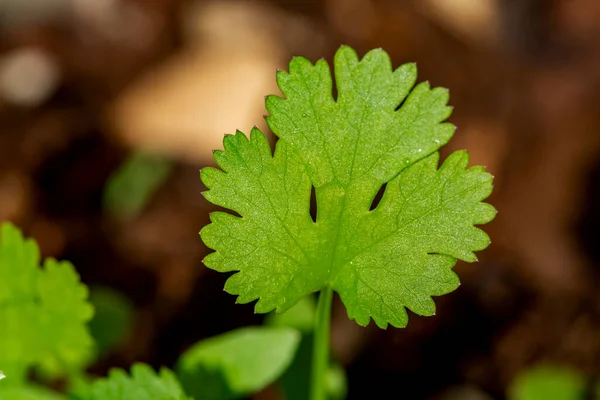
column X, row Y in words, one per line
column 51, row 300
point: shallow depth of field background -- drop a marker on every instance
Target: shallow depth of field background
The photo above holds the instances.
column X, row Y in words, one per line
column 87, row 84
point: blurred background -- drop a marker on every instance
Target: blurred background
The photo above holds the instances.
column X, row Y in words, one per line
column 109, row 108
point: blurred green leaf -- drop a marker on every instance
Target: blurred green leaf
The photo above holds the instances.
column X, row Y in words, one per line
column 548, row 383
column 113, row 319
column 143, row 384
column 301, row 316
column 33, row 300
column 29, row 392
column 133, row 184
column 79, row 386
column 237, row 363
column 337, row 385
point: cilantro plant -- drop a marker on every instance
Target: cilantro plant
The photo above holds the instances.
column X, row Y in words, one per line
column 44, row 316
column 34, row 300
column 382, row 133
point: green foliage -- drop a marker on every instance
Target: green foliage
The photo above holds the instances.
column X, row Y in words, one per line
column 29, row 392
column 79, row 385
column 337, row 386
column 380, row 131
column 112, row 320
column 548, row 383
column 301, row 316
column 130, row 187
column 237, row 363
column 43, row 311
column 295, row 381
column 143, row 383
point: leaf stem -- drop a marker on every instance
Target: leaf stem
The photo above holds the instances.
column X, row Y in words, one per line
column 320, row 356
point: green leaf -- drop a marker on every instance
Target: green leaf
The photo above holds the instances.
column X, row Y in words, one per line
column 32, row 300
column 301, row 316
column 548, row 383
column 112, row 320
column 380, row 131
column 237, row 363
column 143, row 383
column 79, row 386
column 132, row 185
column 29, row 392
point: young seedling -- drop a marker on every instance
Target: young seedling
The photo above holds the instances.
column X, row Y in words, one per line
column 381, row 133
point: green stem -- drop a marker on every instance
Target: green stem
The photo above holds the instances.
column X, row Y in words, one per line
column 320, row 356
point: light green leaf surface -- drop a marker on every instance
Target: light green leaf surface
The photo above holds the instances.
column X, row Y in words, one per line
column 143, row 383
column 548, row 383
column 237, row 363
column 43, row 311
column 381, row 130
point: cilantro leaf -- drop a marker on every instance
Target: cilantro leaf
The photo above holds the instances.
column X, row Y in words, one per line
column 143, row 383
column 380, row 131
column 50, row 300
column 237, row 363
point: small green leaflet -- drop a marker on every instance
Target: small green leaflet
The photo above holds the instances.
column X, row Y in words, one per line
column 33, row 300
column 237, row 363
column 143, row 383
column 381, row 130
